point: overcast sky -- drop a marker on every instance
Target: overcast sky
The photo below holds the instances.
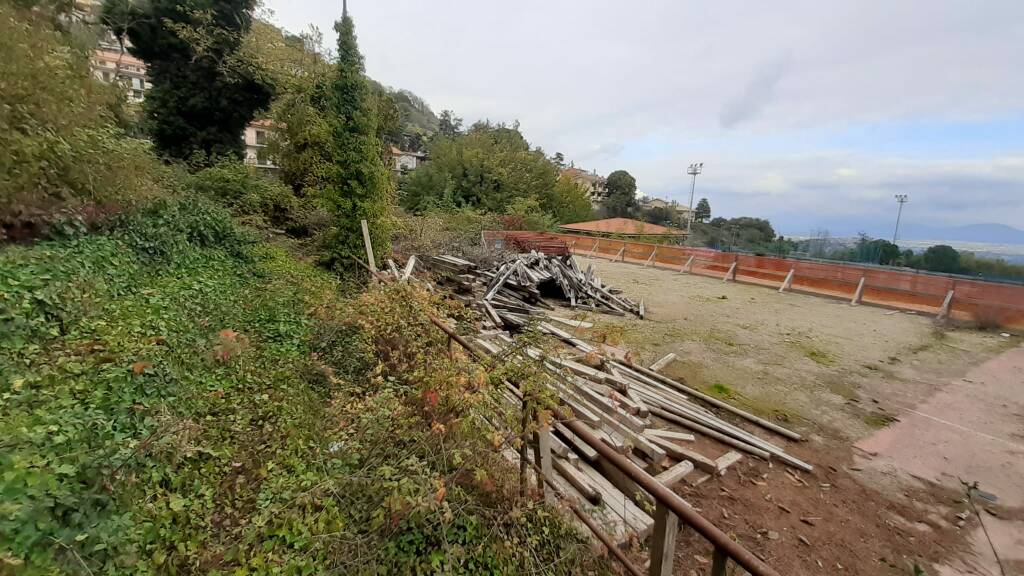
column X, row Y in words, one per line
column 813, row 114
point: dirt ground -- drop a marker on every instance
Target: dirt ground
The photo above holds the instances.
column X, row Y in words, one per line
column 838, row 374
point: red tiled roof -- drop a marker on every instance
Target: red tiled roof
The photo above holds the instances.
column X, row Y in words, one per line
column 626, row 226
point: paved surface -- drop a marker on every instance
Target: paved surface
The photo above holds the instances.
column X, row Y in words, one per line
column 970, row 429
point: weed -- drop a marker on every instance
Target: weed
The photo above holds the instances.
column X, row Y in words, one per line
column 721, row 390
column 878, row 419
column 819, row 356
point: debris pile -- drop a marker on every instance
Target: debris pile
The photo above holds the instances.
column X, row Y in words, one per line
column 630, row 408
column 510, row 292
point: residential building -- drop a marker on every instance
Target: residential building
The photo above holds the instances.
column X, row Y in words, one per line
column 111, row 65
column 403, row 161
column 682, row 211
column 256, row 136
column 591, row 181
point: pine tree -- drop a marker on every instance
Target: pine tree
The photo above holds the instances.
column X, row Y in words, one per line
column 702, row 213
column 360, row 187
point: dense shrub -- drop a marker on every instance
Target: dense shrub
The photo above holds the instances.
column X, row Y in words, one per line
column 61, row 155
column 173, row 228
column 455, row 232
column 246, row 192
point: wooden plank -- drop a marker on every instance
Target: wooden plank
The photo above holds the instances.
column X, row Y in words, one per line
column 663, row 541
column 408, row 267
column 859, row 293
column 688, row 266
column 368, row 245
column 669, row 434
column 665, row 360
column 542, row 456
column 673, row 475
column 788, row 282
column 579, row 481
column 579, row 446
column 728, row 459
column 731, row 274
column 679, row 453
column 946, row 304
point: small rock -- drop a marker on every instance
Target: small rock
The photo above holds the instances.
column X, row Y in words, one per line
column 810, row 521
column 1004, row 334
column 960, row 523
column 773, row 535
column 962, row 515
column 804, row 540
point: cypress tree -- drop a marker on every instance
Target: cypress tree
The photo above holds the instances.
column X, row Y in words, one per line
column 360, row 187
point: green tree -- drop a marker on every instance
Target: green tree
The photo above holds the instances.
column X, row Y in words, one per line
column 621, row 194
column 702, row 213
column 567, row 201
column 448, row 125
column 559, row 160
column 358, row 186
column 486, row 168
column 203, row 95
column 941, row 258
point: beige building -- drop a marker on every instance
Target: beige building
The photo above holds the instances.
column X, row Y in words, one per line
column 257, row 136
column 110, row 65
column 591, row 181
column 403, row 161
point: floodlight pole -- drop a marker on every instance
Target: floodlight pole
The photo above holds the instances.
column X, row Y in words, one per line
column 693, row 170
column 901, row 199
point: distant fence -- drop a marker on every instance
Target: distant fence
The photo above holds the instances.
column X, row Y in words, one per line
column 986, row 303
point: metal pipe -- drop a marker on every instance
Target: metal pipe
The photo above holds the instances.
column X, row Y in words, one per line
column 656, row 489
column 662, row 494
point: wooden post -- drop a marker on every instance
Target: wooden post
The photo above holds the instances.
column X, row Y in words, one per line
column 859, row 293
column 718, row 562
column 622, row 254
column 788, row 282
column 946, row 304
column 654, row 254
column 731, row 273
column 688, row 266
column 572, row 247
column 663, row 541
column 542, row 454
column 592, row 250
column 369, row 246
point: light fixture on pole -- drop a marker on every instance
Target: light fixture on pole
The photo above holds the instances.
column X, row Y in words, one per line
column 901, row 199
column 693, row 170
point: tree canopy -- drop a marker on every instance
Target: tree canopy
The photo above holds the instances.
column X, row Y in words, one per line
column 200, row 100
column 488, row 168
column 621, row 194
column 702, row 212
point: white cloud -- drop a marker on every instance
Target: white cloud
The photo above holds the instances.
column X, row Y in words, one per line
column 759, row 91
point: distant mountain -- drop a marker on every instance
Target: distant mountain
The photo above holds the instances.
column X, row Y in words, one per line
column 988, row 233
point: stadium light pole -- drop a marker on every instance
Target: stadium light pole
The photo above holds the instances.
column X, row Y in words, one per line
column 693, row 170
column 901, row 199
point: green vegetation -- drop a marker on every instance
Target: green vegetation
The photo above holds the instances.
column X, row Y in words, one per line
column 702, row 211
column 490, row 168
column 621, row 194
column 743, row 233
column 63, row 159
column 203, row 94
column 357, row 185
column 177, row 399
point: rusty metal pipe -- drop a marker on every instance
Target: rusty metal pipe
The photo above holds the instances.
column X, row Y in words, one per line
column 677, row 505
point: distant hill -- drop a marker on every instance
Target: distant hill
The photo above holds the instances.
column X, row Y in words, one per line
column 988, row 233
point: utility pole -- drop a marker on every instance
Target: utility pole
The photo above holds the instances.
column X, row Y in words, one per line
column 693, row 170
column 901, row 199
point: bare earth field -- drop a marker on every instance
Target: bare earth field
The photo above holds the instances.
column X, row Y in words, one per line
column 896, row 411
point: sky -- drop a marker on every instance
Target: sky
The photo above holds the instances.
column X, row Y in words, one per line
column 812, row 114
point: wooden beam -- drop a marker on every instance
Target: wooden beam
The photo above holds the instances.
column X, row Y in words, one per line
column 654, row 254
column 859, row 293
column 542, row 449
column 946, row 304
column 369, row 246
column 663, row 541
column 665, row 360
column 788, row 282
column 673, row 475
column 688, row 267
column 731, row 274
column 592, row 250
column 670, row 434
column 620, row 254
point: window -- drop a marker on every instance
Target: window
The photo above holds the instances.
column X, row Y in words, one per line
column 261, row 158
column 106, row 76
column 261, row 137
